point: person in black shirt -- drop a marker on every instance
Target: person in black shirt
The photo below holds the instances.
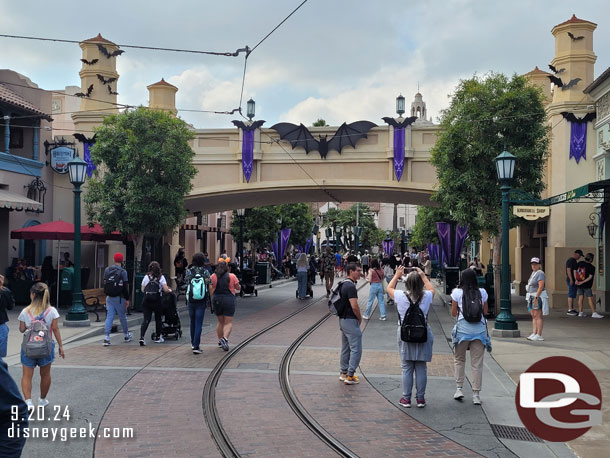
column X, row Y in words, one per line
column 13, row 415
column 571, row 266
column 7, row 302
column 584, row 275
column 349, row 323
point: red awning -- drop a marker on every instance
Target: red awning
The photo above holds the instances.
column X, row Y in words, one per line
column 62, row 230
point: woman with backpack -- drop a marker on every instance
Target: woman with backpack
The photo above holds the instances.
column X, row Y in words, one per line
column 223, row 288
column 39, row 315
column 375, row 277
column 197, row 298
column 413, row 307
column 153, row 286
column 469, row 306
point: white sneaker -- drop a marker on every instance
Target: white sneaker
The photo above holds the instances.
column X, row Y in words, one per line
column 538, row 338
column 581, row 314
column 365, row 317
column 476, row 399
column 159, row 340
column 458, row 396
column 43, row 402
column 596, row 315
column 29, row 403
column 530, row 336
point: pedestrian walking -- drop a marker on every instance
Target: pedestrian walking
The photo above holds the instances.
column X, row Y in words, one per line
column 7, row 302
column 537, row 299
column 365, row 260
column 414, row 356
column 328, row 268
column 223, row 287
column 427, row 266
column 339, row 264
column 116, row 288
column 313, row 269
column 40, row 316
column 153, row 286
column 469, row 307
column 349, row 323
column 302, row 267
column 375, row 278
column 388, row 273
column 571, row 266
column 13, row 415
column 584, row 275
column 197, row 278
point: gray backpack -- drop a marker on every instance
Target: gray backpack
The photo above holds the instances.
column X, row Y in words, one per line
column 37, row 340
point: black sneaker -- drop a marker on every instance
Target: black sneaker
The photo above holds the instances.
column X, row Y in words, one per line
column 572, row 312
column 220, row 343
column 142, row 343
column 224, row 344
column 197, row 351
column 107, row 342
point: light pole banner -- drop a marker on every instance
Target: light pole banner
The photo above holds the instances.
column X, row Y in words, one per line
column 247, row 153
column 444, row 235
column 399, row 151
column 461, row 232
column 285, row 235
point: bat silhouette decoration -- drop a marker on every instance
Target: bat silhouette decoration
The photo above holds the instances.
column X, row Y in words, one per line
column 346, row 135
column 564, row 87
column 399, row 125
column 85, row 94
column 111, row 92
column 104, row 80
column 572, row 117
column 89, row 62
column 554, row 70
column 108, row 55
column 243, row 126
column 81, row 138
column 571, row 35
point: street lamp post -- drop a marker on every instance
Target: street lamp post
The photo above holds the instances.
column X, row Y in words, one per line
column 505, row 325
column 77, row 315
column 240, row 246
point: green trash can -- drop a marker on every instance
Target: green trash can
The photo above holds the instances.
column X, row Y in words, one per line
column 263, row 272
column 139, row 296
column 452, row 278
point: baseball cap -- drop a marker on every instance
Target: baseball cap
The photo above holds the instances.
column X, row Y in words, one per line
column 118, row 257
column 535, row 261
column 579, row 252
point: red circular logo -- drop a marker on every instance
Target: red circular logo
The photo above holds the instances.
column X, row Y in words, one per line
column 559, row 399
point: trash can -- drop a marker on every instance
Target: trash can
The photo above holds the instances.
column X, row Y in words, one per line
column 435, row 269
column 452, row 278
column 263, row 272
column 139, row 295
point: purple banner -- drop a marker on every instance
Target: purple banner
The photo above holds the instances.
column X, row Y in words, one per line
column 308, row 244
column 399, row 151
column 387, row 246
column 247, row 153
column 87, row 157
column 444, row 235
column 578, row 141
column 276, row 252
column 285, row 235
column 461, row 232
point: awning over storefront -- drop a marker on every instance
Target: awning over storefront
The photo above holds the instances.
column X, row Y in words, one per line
column 14, row 201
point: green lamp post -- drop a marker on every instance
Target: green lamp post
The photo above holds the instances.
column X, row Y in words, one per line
column 77, row 315
column 505, row 325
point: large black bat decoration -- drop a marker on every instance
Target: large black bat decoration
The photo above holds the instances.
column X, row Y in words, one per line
column 104, row 80
column 554, row 70
column 558, row 82
column 81, row 138
column 571, row 35
column 243, row 126
column 346, row 135
column 572, row 117
column 108, row 55
column 85, row 94
column 111, row 92
column 400, row 124
column 89, row 62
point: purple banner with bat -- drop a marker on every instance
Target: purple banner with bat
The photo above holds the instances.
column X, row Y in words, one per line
column 461, row 232
column 285, row 235
column 399, row 151
column 247, row 153
column 578, row 141
column 87, row 157
column 444, row 235
column 387, row 246
column 276, row 252
column 308, row 244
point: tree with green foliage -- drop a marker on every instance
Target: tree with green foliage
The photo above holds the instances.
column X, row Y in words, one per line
column 346, row 219
column 320, row 123
column 487, row 115
column 424, row 230
column 144, row 171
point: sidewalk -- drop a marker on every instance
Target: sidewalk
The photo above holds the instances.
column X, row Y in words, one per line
column 584, row 339
column 73, row 334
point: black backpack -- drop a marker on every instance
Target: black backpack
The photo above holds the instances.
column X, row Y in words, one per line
column 472, row 307
column 113, row 282
column 414, row 327
column 153, row 287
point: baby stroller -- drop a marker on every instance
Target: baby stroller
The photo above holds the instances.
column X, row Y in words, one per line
column 248, row 282
column 171, row 320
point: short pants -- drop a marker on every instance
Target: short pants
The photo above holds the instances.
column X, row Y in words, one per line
column 33, row 362
column 584, row 292
column 223, row 304
column 571, row 289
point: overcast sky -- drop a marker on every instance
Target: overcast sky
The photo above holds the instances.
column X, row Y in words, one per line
column 341, row 60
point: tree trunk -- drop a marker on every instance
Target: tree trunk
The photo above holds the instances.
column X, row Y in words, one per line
column 395, row 219
column 139, row 239
column 497, row 265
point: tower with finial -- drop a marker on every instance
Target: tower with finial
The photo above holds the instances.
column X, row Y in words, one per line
column 162, row 96
column 418, row 106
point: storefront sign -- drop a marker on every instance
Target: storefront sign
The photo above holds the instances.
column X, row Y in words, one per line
column 531, row 212
column 60, row 156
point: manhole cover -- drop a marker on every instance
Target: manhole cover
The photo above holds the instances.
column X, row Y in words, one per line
column 517, row 433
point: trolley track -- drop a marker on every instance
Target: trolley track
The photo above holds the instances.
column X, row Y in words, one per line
column 210, row 412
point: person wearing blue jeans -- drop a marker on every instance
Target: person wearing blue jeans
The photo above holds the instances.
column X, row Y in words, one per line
column 197, row 309
column 349, row 323
column 302, row 267
column 375, row 278
column 117, row 299
column 7, row 302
